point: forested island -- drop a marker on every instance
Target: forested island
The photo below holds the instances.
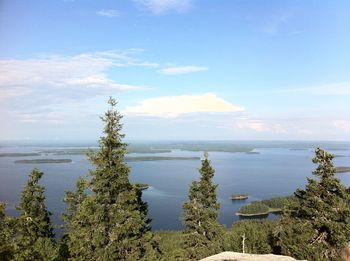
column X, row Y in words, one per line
column 264, row 207
column 8, row 154
column 43, row 161
column 155, row 158
column 128, row 159
column 342, row 169
column 142, row 186
column 239, row 196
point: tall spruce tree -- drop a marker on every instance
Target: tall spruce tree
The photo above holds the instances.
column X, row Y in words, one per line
column 34, row 237
column 111, row 223
column 202, row 234
column 316, row 227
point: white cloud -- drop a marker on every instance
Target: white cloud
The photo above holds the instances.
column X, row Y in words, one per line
column 30, row 88
column 342, row 125
column 259, row 125
column 159, row 7
column 174, row 106
column 108, row 13
column 48, row 117
column 182, row 70
column 84, row 73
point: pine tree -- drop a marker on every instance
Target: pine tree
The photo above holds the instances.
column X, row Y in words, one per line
column 111, row 223
column 34, row 239
column 6, row 234
column 316, row 226
column 203, row 234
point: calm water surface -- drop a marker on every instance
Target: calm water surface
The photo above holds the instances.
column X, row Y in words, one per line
column 273, row 172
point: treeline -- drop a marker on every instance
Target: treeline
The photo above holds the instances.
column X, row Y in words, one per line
column 106, row 219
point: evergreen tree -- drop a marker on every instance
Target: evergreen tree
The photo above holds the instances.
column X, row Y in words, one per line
column 111, row 223
column 6, row 234
column 250, row 236
column 316, row 226
column 34, row 237
column 73, row 201
column 71, row 223
column 203, row 234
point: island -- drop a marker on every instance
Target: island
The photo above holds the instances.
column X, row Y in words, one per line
column 342, row 169
column 9, row 154
column 156, row 158
column 239, row 196
column 84, row 151
column 263, row 208
column 43, row 161
column 340, row 156
column 142, row 186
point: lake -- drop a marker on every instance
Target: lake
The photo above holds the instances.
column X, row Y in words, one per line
column 274, row 169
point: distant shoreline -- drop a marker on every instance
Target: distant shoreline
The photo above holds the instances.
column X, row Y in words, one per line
column 43, row 161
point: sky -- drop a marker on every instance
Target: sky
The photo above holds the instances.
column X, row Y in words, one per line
column 180, row 69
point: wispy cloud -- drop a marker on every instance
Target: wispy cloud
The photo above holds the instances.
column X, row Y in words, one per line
column 342, row 125
column 31, row 87
column 108, row 12
column 331, row 89
column 174, row 106
column 259, row 125
column 275, row 23
column 87, row 71
column 182, row 70
column 159, row 7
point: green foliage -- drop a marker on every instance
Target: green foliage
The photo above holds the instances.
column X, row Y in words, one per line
column 316, row 226
column 6, row 234
column 34, row 237
column 278, row 202
column 267, row 205
column 257, row 237
column 73, row 201
column 111, row 223
column 254, row 207
column 170, row 244
column 203, row 234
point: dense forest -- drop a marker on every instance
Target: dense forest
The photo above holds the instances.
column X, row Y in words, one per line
column 106, row 218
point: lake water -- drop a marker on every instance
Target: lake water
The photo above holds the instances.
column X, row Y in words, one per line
column 274, row 171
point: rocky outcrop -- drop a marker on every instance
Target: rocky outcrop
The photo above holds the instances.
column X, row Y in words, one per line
column 233, row 256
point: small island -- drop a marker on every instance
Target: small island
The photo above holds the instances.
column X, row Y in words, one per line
column 342, row 169
column 239, row 196
column 252, row 152
column 43, row 161
column 263, row 208
column 142, row 186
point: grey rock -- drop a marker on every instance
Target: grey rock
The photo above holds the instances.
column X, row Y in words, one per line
column 233, row 256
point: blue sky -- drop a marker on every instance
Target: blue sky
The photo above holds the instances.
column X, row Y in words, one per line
column 190, row 69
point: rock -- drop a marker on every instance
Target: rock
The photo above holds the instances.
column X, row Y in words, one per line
column 233, row 256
